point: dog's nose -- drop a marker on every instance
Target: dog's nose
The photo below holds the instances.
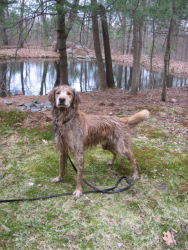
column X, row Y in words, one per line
column 62, row 100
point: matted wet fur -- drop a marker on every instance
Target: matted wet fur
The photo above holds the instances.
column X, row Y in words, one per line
column 75, row 131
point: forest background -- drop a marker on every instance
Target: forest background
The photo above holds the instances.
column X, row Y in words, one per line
column 156, row 29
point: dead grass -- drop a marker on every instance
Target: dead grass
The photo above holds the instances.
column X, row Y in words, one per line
column 135, row 219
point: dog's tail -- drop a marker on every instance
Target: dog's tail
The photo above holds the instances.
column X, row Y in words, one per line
column 138, row 117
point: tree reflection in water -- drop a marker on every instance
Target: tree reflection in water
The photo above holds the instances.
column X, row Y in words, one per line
column 39, row 77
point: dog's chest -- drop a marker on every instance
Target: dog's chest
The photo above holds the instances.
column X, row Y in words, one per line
column 70, row 134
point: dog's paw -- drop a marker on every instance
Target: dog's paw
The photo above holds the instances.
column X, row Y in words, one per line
column 57, row 179
column 136, row 176
column 110, row 163
column 77, row 194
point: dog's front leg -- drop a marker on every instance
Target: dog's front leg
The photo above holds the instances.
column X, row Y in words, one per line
column 62, row 154
column 80, row 165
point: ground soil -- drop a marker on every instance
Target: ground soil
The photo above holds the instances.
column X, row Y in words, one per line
column 178, row 68
column 120, row 103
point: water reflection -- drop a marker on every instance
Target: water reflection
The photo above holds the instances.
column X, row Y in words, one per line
column 38, row 78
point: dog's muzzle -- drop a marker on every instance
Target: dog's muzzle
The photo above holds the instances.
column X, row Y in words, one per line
column 62, row 103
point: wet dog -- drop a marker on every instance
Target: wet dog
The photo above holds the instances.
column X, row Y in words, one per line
column 76, row 131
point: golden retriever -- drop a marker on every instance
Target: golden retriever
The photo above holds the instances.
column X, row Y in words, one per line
column 75, row 131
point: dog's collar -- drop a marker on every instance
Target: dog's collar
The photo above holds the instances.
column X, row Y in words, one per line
column 56, row 121
column 67, row 120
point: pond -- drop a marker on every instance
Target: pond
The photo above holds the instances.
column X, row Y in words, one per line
column 38, row 77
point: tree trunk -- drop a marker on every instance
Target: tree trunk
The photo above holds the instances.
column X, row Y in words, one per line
column 129, row 38
column 120, row 69
column 151, row 56
column 95, row 29
column 144, row 35
column 45, row 28
column 4, row 35
column 61, row 43
column 81, row 76
column 167, row 59
column 63, row 30
column 22, row 77
column 137, row 49
column 21, row 26
column 57, row 68
column 119, row 76
column 3, row 30
column 3, row 74
column 107, row 50
column 43, row 77
column 85, row 75
column 123, row 34
column 130, row 78
column 125, row 76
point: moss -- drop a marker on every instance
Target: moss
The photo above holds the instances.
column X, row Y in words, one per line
column 155, row 134
column 12, row 118
column 153, row 109
column 121, row 114
column 45, row 134
column 148, row 160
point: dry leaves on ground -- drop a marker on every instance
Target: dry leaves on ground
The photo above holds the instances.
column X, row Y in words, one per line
column 168, row 237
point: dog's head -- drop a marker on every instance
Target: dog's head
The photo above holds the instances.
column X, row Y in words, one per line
column 64, row 97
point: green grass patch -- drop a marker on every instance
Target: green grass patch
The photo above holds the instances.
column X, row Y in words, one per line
column 11, row 118
column 44, row 134
column 135, row 219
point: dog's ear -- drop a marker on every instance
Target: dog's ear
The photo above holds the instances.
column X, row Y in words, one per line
column 76, row 100
column 51, row 97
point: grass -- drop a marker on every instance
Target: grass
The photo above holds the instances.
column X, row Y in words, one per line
column 135, row 219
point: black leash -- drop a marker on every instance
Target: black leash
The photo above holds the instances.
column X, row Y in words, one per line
column 110, row 190
column 107, row 190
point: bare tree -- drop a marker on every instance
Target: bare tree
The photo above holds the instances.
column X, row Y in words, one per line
column 97, row 47
column 137, row 49
column 21, row 25
column 63, row 29
column 107, row 50
column 22, row 77
column 61, row 42
column 3, row 76
column 43, row 77
column 129, row 38
column 3, row 29
column 44, row 24
column 120, row 69
column 167, row 54
column 151, row 54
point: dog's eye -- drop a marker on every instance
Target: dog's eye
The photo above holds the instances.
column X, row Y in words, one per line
column 57, row 93
column 68, row 93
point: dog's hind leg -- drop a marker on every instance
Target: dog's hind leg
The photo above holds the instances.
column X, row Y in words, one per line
column 125, row 150
column 135, row 165
column 111, row 148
